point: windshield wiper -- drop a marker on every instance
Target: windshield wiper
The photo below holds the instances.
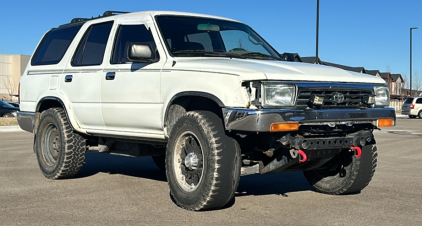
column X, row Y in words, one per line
column 260, row 55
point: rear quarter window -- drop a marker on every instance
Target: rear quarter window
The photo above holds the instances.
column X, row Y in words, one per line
column 419, row 101
column 408, row 101
column 54, row 45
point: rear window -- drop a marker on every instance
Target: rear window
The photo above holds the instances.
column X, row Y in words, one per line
column 408, row 101
column 54, row 45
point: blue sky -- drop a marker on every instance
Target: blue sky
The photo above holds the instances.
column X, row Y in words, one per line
column 369, row 33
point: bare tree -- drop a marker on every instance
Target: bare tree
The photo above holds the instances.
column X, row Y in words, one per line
column 416, row 83
column 11, row 87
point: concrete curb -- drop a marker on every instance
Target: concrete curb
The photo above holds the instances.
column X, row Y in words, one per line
column 5, row 129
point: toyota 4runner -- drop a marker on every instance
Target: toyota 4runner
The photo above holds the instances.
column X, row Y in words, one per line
column 207, row 97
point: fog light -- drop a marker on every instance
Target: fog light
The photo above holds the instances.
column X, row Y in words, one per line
column 282, row 127
column 385, row 122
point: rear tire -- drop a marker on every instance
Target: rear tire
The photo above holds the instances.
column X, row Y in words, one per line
column 419, row 114
column 203, row 163
column 60, row 151
column 351, row 176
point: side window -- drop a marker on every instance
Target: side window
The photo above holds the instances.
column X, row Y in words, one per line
column 54, row 45
column 127, row 34
column 419, row 101
column 92, row 47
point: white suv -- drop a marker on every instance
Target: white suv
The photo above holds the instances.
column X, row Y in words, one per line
column 207, row 97
column 412, row 107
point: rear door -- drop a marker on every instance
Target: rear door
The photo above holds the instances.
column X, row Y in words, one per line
column 130, row 91
column 81, row 83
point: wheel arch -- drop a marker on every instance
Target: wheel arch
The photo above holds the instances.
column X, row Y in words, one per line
column 190, row 101
column 53, row 102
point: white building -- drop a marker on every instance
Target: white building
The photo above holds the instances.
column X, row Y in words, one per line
column 11, row 68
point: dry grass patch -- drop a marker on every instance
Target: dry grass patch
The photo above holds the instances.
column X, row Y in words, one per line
column 8, row 121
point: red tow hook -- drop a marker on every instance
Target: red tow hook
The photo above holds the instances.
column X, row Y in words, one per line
column 358, row 151
column 302, row 157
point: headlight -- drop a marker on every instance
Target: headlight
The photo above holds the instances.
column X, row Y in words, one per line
column 15, row 114
column 382, row 96
column 276, row 95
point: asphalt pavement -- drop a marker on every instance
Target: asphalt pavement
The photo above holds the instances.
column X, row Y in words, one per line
column 116, row 190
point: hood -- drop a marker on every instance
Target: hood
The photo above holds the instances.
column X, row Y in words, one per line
column 249, row 69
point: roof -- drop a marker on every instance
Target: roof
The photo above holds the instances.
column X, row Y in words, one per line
column 373, row 72
column 119, row 14
column 311, row 60
column 347, row 68
column 395, row 77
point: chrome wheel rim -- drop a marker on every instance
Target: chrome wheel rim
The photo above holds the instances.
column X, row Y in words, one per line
column 188, row 161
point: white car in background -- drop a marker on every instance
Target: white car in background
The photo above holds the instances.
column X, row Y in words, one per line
column 412, row 107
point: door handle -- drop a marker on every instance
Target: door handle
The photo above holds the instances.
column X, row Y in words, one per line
column 110, row 75
column 68, row 78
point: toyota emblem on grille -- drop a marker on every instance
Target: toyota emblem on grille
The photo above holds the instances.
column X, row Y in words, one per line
column 338, row 98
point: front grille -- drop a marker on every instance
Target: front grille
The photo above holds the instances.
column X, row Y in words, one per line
column 352, row 98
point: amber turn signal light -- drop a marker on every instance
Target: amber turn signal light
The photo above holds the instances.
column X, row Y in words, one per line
column 385, row 122
column 282, row 127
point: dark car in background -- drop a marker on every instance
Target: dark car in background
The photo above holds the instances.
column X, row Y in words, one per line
column 8, row 110
column 13, row 103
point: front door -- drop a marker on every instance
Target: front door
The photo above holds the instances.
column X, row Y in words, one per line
column 130, row 92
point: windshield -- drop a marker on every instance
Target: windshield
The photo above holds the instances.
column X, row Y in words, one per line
column 197, row 36
column 5, row 105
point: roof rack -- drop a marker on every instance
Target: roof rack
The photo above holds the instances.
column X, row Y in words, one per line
column 105, row 14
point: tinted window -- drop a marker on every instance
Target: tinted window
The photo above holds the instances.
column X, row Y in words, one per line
column 408, row 101
column 419, row 101
column 129, row 34
column 6, row 105
column 54, row 45
column 92, row 47
column 198, row 37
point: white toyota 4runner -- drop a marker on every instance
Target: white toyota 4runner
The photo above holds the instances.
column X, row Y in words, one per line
column 207, row 97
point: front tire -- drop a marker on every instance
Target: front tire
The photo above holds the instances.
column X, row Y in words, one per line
column 203, row 163
column 60, row 151
column 350, row 176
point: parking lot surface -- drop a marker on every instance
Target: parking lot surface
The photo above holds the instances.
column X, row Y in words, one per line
column 116, row 190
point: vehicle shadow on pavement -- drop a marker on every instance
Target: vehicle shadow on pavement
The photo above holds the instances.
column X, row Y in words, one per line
column 270, row 184
column 143, row 167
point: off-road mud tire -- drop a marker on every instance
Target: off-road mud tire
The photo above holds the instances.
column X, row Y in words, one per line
column 352, row 176
column 60, row 151
column 221, row 162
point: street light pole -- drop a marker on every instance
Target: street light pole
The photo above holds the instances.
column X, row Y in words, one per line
column 411, row 59
column 317, row 32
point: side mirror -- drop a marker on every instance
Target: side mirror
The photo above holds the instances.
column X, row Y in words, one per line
column 140, row 52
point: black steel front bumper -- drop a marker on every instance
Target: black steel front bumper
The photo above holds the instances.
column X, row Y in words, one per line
column 261, row 120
